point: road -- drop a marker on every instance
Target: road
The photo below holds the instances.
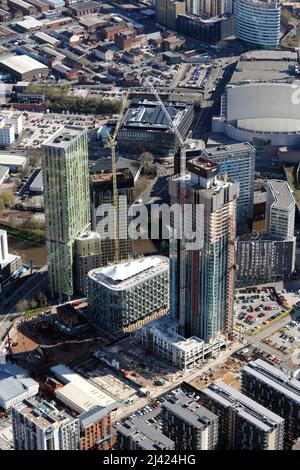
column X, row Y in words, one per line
column 211, row 107
column 8, row 313
column 256, row 340
column 188, row 376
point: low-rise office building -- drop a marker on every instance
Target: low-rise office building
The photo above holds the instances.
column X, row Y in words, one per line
column 122, row 294
column 161, row 339
column 146, row 126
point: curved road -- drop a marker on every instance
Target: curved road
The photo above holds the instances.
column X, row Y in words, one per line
column 7, row 312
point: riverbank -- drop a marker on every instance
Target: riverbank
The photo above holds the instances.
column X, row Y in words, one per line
column 34, row 236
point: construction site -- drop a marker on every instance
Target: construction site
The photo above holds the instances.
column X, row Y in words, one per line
column 229, row 372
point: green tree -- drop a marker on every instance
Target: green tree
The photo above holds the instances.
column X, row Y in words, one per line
column 8, row 198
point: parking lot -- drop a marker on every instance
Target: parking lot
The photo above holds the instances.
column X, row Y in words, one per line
column 255, row 309
column 39, row 126
column 287, row 338
column 196, row 76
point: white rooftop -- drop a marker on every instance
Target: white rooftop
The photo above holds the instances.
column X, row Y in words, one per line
column 29, row 22
column 12, row 159
column 78, row 391
column 120, row 276
column 22, row 63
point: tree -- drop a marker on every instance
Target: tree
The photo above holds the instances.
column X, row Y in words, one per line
column 8, row 198
column 146, row 161
column 22, row 305
column 33, row 303
column 42, row 299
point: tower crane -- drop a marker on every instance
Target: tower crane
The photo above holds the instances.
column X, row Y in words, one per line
column 112, row 145
column 175, row 130
column 182, row 177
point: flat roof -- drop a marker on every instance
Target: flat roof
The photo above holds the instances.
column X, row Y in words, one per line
column 247, row 408
column 42, row 413
column 22, row 63
column 88, row 235
column 63, row 136
column 189, row 410
column 12, row 159
column 147, row 436
column 150, row 115
column 165, row 328
column 265, row 66
column 80, row 392
column 282, row 194
column 227, row 149
column 282, row 381
column 123, row 275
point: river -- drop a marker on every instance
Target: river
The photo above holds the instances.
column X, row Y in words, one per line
column 28, row 251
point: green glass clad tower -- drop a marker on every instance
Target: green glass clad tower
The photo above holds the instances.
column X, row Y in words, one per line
column 66, row 201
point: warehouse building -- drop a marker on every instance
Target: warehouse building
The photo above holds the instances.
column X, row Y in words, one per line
column 15, row 385
column 39, row 5
column 146, row 126
column 20, row 5
column 243, row 423
column 46, row 39
column 37, row 186
column 23, row 67
column 28, row 24
column 122, row 294
column 55, row 3
column 15, row 162
column 79, row 394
